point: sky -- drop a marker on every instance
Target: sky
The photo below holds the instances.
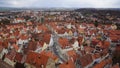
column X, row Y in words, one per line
column 60, row 3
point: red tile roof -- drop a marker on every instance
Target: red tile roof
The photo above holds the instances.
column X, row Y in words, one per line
column 80, row 40
column 13, row 40
column 15, row 46
column 29, row 23
column 18, row 57
column 60, row 30
column 31, row 57
column 23, row 37
column 72, row 54
column 103, row 63
column 49, row 54
column 11, row 55
column 104, row 44
column 43, row 27
column 41, row 60
column 5, row 43
column 85, row 60
column 37, row 59
column 32, row 45
column 69, row 64
column 109, row 61
column 88, row 49
column 63, row 42
column 114, row 35
column 100, row 65
column 46, row 38
column 95, row 41
column 96, row 56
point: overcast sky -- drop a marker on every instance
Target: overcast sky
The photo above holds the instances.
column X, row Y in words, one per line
column 61, row 3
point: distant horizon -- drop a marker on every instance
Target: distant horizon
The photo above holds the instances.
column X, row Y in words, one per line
column 60, row 3
column 58, row 8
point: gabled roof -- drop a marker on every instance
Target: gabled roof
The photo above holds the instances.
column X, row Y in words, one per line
column 80, row 40
column 19, row 18
column 104, row 44
column 96, row 56
column 29, row 23
column 15, row 46
column 41, row 60
column 49, row 54
column 88, row 49
column 100, row 65
column 72, row 54
column 32, row 45
column 42, row 27
column 5, row 43
column 23, row 37
column 46, row 38
column 86, row 60
column 31, row 57
column 63, row 42
column 18, row 57
column 11, row 55
column 37, row 59
column 60, row 30
column 69, row 64
column 103, row 63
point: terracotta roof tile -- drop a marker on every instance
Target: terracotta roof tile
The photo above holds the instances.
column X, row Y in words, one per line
column 96, row 41
column 41, row 60
column 43, row 27
column 15, row 46
column 69, row 64
column 86, row 59
column 80, row 40
column 60, row 31
column 72, row 54
column 13, row 40
column 104, row 44
column 96, row 56
column 5, row 44
column 29, row 23
column 114, row 38
column 83, row 52
column 46, row 38
column 109, row 61
column 31, row 57
column 100, row 65
column 11, row 55
column 18, row 57
column 63, row 42
column 37, row 59
column 23, row 37
column 88, row 49
column 49, row 54
column 105, row 52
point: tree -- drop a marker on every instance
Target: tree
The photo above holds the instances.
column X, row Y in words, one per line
column 5, row 21
column 96, row 24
